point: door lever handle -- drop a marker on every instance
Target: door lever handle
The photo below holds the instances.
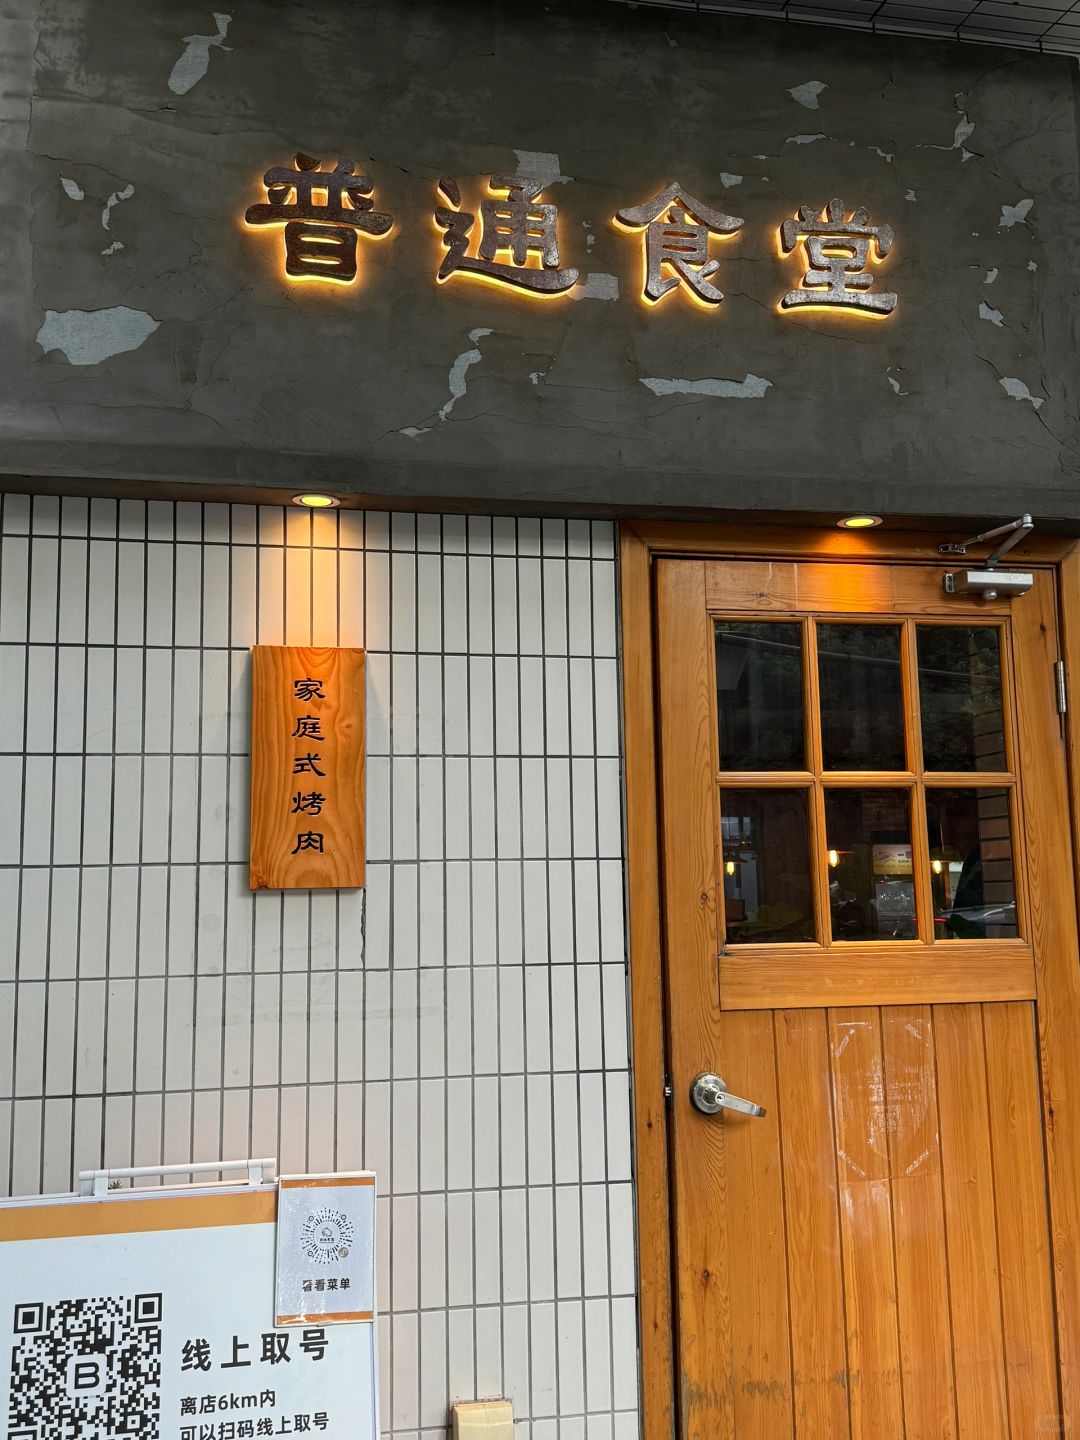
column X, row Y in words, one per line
column 710, row 1095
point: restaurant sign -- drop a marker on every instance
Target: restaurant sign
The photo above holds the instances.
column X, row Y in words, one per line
column 307, row 768
column 324, row 212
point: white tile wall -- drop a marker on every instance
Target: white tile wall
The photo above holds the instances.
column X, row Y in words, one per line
column 461, row 1027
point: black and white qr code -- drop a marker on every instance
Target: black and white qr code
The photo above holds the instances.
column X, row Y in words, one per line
column 86, row 1369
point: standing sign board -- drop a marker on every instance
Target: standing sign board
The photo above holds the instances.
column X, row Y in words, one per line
column 151, row 1314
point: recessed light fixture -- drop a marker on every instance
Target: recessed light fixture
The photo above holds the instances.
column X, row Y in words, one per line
column 859, row 522
column 317, row 502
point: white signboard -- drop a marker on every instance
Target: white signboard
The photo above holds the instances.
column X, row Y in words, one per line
column 325, row 1249
column 150, row 1314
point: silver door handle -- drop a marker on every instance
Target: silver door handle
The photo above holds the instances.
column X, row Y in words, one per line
column 710, row 1095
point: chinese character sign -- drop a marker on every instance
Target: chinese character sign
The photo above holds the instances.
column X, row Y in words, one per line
column 677, row 229
column 837, row 252
column 325, row 1249
column 153, row 1315
column 307, row 768
column 512, row 222
column 322, row 211
column 511, row 239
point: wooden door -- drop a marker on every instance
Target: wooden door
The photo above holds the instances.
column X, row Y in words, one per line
column 869, row 929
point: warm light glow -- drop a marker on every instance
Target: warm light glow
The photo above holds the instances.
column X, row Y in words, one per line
column 936, row 866
column 316, row 502
column 859, row 522
column 834, row 858
column 730, row 867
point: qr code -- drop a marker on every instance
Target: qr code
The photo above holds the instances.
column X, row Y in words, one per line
column 89, row 1369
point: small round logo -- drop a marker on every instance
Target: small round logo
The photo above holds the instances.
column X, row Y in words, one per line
column 327, row 1236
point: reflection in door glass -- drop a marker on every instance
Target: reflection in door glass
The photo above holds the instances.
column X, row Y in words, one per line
column 862, row 712
column 759, row 689
column 871, row 881
column 960, row 697
column 971, row 868
column 766, row 866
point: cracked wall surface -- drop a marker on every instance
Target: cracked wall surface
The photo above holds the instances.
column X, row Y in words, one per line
column 148, row 337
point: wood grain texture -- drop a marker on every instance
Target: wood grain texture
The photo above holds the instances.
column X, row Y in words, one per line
column 655, row 1317
column 815, row 1284
column 866, row 1223
column 831, row 589
column 1020, row 1199
column 922, row 1272
column 784, row 542
column 761, row 1362
column 307, row 768
column 881, row 1229
column 704, row 1203
column 971, row 1224
column 753, row 977
column 1051, row 905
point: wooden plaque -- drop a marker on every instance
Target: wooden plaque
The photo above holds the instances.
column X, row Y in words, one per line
column 307, row 768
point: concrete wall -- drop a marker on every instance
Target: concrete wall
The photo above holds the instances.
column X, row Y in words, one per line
column 460, row 1026
column 146, row 335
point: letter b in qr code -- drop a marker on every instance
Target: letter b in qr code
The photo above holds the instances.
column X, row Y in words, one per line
column 86, row 1368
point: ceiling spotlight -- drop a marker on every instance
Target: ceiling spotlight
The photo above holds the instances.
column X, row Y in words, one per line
column 316, row 502
column 859, row 522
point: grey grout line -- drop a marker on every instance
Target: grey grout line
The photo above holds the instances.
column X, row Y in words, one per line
column 202, row 1092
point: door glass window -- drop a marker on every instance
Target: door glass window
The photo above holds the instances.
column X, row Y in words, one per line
column 862, row 708
column 872, row 801
column 871, row 872
column 759, row 688
column 765, row 842
column 960, row 697
column 971, row 864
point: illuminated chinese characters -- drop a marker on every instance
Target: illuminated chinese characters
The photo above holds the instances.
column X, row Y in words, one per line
column 838, row 251
column 677, row 229
column 512, row 240
column 511, row 221
column 326, row 211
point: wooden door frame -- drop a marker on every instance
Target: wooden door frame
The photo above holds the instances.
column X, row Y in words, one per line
column 640, row 545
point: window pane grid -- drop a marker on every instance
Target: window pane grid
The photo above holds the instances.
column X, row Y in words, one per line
column 969, row 684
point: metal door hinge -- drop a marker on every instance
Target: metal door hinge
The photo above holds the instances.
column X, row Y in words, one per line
column 1059, row 687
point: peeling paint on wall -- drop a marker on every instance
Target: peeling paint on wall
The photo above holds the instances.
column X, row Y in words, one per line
column 1019, row 391
column 114, row 199
column 807, row 93
column 987, row 312
column 86, row 337
column 727, row 179
column 195, row 61
column 541, row 165
column 72, row 189
column 965, row 128
column 106, row 215
column 457, row 380
column 1015, row 214
column 753, row 387
column 894, row 382
column 804, row 139
column 991, row 276
column 887, row 155
column 597, row 286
